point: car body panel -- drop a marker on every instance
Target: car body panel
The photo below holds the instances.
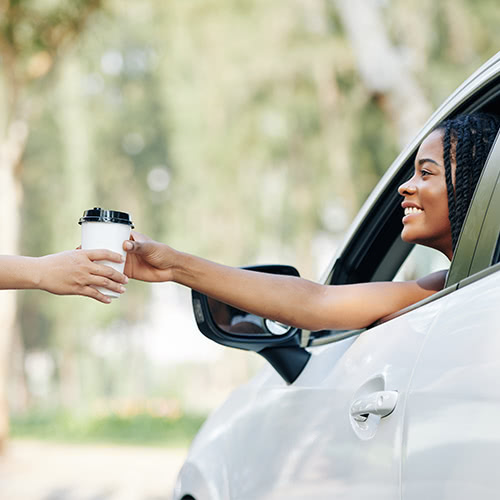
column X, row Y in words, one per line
column 202, row 476
column 452, row 438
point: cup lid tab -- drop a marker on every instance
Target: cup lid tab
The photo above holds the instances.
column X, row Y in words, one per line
column 98, row 214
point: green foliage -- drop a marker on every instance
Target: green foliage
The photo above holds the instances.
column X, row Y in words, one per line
column 140, row 429
column 374, row 145
column 30, row 26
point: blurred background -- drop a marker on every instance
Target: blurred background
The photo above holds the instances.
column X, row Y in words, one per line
column 246, row 132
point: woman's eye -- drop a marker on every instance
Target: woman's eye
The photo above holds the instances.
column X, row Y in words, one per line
column 423, row 173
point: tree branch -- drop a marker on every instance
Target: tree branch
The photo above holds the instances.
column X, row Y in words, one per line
column 383, row 68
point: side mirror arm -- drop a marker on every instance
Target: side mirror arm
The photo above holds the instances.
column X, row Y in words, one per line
column 288, row 361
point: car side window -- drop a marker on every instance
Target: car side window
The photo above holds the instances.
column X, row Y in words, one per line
column 420, row 262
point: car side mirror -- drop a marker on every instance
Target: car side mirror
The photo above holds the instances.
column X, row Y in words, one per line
column 232, row 327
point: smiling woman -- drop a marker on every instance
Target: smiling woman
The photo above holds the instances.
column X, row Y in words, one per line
column 425, row 199
column 448, row 165
column 447, row 168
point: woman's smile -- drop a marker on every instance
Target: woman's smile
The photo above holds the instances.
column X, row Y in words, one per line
column 410, row 209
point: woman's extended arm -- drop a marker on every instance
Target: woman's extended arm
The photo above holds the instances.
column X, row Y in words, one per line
column 67, row 273
column 287, row 299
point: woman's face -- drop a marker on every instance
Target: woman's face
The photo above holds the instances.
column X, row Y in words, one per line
column 425, row 202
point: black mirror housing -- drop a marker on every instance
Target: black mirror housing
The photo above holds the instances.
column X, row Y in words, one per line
column 278, row 344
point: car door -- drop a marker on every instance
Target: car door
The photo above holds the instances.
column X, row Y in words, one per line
column 451, row 438
column 306, row 442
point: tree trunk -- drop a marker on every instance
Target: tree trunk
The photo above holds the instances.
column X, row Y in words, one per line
column 11, row 150
column 383, row 68
column 18, row 393
column 75, row 124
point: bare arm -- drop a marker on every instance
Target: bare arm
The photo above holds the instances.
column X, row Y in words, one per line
column 299, row 302
column 65, row 273
column 287, row 299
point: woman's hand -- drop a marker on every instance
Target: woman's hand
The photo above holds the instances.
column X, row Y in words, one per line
column 75, row 273
column 148, row 260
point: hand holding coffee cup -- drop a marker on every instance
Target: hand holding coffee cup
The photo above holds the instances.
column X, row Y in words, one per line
column 106, row 229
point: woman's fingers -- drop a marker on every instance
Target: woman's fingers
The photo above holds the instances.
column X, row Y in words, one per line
column 103, row 282
column 134, row 243
column 136, row 236
column 130, row 245
column 112, row 283
column 103, row 254
column 93, row 293
column 101, row 270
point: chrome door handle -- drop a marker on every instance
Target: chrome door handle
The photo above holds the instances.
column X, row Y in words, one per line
column 381, row 403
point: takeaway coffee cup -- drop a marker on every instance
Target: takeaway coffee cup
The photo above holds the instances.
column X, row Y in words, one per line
column 106, row 229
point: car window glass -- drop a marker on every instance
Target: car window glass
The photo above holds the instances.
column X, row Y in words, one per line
column 420, row 262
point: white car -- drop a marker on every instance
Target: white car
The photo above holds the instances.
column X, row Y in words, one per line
column 406, row 409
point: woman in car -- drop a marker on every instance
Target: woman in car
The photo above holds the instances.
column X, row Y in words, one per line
column 447, row 168
column 67, row 273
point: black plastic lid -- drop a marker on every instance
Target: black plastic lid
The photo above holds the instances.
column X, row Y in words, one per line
column 97, row 214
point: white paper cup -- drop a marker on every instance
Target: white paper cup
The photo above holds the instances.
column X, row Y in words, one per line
column 106, row 229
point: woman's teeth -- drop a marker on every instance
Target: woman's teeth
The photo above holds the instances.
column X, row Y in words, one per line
column 412, row 210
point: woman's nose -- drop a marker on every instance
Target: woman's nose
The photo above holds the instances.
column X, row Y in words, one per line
column 407, row 188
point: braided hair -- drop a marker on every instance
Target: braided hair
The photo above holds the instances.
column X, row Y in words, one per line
column 467, row 140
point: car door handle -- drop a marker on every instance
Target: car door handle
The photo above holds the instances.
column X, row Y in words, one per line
column 381, row 403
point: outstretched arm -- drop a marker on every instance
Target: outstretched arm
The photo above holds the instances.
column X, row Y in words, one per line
column 67, row 273
column 287, row 299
